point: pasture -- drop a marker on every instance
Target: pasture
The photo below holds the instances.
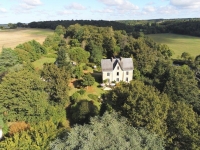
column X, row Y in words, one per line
column 178, row 43
column 10, row 38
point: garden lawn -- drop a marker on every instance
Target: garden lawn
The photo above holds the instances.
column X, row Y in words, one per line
column 38, row 64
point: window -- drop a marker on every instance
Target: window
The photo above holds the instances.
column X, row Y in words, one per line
column 126, row 79
column 117, row 73
column 108, row 74
column 127, row 72
column 117, row 79
column 117, row 67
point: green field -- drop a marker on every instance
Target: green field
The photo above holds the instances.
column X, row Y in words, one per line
column 178, row 43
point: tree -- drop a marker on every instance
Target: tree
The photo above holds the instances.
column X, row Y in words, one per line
column 88, row 80
column 37, row 137
column 23, row 98
column 52, row 41
column 8, row 58
column 186, row 56
column 79, row 55
column 181, row 86
column 62, row 58
column 143, row 105
column 82, row 111
column 60, row 30
column 183, row 127
column 57, row 82
column 108, row 132
column 78, row 72
column 30, row 51
column 96, row 52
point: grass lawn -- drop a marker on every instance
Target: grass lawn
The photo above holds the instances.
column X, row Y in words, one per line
column 178, row 43
column 38, row 64
column 10, row 38
column 94, row 89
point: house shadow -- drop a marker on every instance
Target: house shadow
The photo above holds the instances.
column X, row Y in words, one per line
column 97, row 76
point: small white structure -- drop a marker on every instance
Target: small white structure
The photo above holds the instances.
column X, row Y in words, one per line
column 117, row 69
column 1, row 133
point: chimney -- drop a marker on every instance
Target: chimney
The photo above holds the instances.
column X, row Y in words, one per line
column 111, row 59
column 120, row 58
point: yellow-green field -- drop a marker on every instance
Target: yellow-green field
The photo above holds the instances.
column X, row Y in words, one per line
column 13, row 37
column 178, row 43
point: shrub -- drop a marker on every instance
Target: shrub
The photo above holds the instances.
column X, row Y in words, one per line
column 82, row 91
column 75, row 97
column 85, row 67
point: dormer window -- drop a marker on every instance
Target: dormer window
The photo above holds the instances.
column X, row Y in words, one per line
column 117, row 67
column 126, row 72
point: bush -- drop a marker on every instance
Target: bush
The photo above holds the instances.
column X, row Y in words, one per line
column 93, row 97
column 75, row 97
column 82, row 91
column 85, row 67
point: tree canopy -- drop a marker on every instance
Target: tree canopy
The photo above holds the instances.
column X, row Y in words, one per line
column 108, row 132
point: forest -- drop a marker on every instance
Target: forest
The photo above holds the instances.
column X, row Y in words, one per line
column 159, row 109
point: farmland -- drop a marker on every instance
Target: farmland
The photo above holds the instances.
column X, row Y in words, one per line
column 12, row 37
column 178, row 43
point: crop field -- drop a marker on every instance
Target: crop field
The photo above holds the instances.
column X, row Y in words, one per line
column 179, row 43
column 13, row 37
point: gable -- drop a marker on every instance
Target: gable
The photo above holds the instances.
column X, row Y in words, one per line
column 110, row 64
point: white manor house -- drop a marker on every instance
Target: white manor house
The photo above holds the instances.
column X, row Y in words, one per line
column 117, row 69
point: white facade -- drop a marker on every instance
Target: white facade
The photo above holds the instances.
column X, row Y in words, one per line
column 117, row 73
column 1, row 133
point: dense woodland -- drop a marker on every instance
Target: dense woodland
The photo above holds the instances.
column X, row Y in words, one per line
column 159, row 109
column 187, row 26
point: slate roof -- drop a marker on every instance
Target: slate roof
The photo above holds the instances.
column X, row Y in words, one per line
column 109, row 64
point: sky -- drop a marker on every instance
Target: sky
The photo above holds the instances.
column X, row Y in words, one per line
column 26, row 11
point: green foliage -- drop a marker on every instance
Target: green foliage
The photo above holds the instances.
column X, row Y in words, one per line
column 82, row 91
column 22, row 97
column 88, row 80
column 57, row 80
column 60, row 30
column 186, row 56
column 37, row 137
column 108, row 132
column 77, row 72
column 96, row 52
column 82, row 111
column 8, row 58
column 85, row 67
column 3, row 125
column 143, row 105
column 75, row 97
column 182, row 86
column 52, row 42
column 30, row 51
column 183, row 127
column 74, row 43
column 62, row 58
column 79, row 55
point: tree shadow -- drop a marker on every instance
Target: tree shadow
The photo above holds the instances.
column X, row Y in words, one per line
column 77, row 83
